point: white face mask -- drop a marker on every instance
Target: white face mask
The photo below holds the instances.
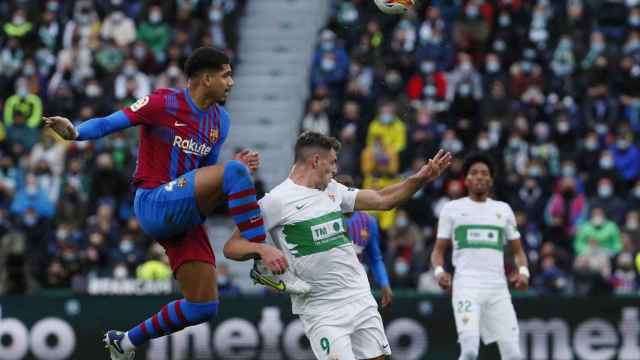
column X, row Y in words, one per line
column 401, row 268
column 605, row 191
column 155, row 17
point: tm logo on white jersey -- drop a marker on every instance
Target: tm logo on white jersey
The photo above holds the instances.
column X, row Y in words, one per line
column 327, row 230
column 188, row 146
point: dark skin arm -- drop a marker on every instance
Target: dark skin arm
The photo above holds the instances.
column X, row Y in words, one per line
column 519, row 281
column 437, row 259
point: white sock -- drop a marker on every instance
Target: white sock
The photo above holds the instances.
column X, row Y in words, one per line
column 126, row 343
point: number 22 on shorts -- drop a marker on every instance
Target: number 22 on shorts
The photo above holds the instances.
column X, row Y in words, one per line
column 464, row 306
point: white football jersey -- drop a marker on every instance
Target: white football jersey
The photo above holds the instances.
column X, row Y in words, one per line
column 479, row 231
column 308, row 226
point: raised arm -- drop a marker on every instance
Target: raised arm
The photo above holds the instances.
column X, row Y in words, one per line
column 393, row 195
column 91, row 129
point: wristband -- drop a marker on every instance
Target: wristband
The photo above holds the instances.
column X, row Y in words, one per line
column 524, row 271
column 438, row 271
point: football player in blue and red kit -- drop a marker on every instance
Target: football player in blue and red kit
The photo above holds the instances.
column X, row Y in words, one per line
column 177, row 182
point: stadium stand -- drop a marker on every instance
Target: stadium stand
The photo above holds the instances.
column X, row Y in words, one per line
column 550, row 88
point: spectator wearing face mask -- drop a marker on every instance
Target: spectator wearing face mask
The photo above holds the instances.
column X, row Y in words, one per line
column 389, row 128
column 626, row 156
column 600, row 229
column 607, row 199
column 592, row 270
column 316, row 119
column 330, row 66
column 530, row 199
column 27, row 104
column 566, row 210
column 405, row 251
column 473, row 27
column 19, row 27
column 119, row 28
column 428, row 83
column 31, row 196
column 155, row 32
column 131, row 83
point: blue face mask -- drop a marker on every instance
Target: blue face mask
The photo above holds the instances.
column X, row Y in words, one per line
column 386, row 119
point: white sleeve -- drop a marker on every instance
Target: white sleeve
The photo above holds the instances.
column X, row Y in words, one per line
column 445, row 223
column 271, row 210
column 347, row 197
column 511, row 230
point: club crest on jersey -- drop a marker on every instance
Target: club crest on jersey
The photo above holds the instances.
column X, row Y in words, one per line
column 139, row 104
column 364, row 234
column 214, row 134
column 182, row 182
column 332, row 197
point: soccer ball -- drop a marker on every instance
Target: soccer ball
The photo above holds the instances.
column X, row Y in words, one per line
column 394, row 7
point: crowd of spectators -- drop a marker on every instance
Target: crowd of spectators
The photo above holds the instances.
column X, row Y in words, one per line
column 65, row 208
column 551, row 89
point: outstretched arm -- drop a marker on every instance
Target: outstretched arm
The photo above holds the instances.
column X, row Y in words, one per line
column 91, row 129
column 393, row 195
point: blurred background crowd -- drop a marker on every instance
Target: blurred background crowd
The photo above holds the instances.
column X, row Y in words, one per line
column 550, row 88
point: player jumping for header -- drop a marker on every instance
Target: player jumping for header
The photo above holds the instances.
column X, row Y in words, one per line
column 304, row 215
column 178, row 182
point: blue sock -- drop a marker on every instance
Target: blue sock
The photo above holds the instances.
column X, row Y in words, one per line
column 173, row 317
column 243, row 207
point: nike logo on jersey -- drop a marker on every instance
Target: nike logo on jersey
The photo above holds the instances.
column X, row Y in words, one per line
column 298, row 207
column 385, row 346
column 254, row 219
column 179, row 124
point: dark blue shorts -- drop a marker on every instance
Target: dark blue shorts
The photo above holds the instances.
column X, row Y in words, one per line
column 170, row 209
column 170, row 215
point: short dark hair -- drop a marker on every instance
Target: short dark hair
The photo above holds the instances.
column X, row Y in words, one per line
column 205, row 58
column 310, row 139
column 474, row 158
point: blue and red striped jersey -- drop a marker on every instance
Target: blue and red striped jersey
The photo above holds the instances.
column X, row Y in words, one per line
column 175, row 135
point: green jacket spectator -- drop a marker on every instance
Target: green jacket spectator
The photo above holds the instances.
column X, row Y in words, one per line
column 155, row 33
column 605, row 232
column 28, row 105
column 18, row 27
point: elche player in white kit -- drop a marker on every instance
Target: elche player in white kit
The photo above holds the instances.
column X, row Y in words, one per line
column 304, row 216
column 479, row 228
